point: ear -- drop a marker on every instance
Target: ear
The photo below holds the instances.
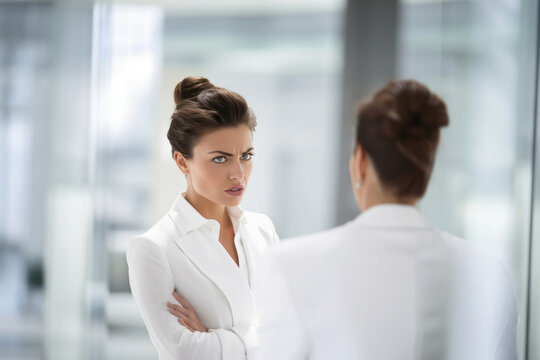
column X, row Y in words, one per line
column 181, row 162
column 361, row 159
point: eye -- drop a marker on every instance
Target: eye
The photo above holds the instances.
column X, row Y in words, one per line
column 219, row 159
column 246, row 156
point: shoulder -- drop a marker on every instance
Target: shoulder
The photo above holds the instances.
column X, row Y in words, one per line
column 160, row 233
column 480, row 263
column 147, row 259
column 466, row 251
column 259, row 219
column 142, row 249
column 152, row 243
column 265, row 226
column 308, row 248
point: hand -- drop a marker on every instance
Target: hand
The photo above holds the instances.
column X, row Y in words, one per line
column 186, row 314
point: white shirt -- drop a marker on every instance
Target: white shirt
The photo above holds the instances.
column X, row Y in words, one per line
column 239, row 245
column 386, row 286
column 182, row 252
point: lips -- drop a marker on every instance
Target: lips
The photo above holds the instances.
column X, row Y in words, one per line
column 235, row 191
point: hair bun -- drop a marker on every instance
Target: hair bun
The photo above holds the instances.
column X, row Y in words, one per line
column 399, row 128
column 415, row 112
column 190, row 87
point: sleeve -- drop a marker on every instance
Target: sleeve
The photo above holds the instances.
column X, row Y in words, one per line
column 282, row 334
column 152, row 285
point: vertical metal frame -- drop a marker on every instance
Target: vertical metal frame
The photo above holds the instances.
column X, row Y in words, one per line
column 532, row 346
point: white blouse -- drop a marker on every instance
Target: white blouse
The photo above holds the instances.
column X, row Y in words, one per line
column 242, row 263
column 182, row 252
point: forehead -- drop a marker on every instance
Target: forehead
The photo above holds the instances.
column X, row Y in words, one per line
column 229, row 139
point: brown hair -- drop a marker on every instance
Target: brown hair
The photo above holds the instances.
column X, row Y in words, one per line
column 399, row 129
column 202, row 107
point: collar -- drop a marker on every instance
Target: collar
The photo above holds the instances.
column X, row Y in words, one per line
column 392, row 215
column 187, row 218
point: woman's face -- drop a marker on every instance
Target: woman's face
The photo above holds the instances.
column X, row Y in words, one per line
column 221, row 165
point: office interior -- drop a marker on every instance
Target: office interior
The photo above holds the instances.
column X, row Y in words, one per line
column 85, row 103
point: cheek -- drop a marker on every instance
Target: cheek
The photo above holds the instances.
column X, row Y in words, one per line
column 247, row 171
column 206, row 176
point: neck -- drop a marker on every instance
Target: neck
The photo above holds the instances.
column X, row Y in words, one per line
column 377, row 196
column 207, row 208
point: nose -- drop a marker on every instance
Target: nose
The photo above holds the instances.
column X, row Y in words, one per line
column 236, row 171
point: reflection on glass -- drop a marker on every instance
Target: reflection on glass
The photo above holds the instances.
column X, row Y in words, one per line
column 478, row 55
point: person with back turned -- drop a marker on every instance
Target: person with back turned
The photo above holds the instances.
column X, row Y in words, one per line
column 387, row 285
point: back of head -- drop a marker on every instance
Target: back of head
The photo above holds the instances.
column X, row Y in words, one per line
column 202, row 107
column 399, row 129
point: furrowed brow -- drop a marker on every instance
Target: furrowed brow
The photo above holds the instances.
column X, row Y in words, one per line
column 220, row 152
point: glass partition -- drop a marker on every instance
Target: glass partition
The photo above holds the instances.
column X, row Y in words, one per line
column 480, row 56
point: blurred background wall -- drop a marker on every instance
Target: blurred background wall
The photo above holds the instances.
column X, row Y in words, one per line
column 85, row 100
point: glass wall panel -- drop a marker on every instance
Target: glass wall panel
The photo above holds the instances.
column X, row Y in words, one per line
column 480, row 57
column 46, row 208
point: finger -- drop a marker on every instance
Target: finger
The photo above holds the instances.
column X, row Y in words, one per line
column 195, row 323
column 192, row 319
column 179, row 314
column 200, row 327
column 181, row 309
column 181, row 300
column 184, row 320
column 182, row 316
column 186, row 315
column 184, row 324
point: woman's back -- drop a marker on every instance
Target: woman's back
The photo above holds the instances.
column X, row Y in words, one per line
column 389, row 286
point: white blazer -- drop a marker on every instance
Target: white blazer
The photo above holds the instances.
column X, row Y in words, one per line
column 386, row 286
column 182, row 251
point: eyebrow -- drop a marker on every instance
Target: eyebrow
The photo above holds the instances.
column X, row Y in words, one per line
column 226, row 153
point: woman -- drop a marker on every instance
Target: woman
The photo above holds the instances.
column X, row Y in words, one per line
column 192, row 274
column 387, row 285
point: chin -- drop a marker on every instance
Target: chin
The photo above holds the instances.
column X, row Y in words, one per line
column 233, row 201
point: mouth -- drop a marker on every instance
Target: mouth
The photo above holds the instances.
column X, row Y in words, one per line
column 235, row 191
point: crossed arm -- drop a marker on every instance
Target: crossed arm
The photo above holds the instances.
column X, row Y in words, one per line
column 185, row 314
column 177, row 333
